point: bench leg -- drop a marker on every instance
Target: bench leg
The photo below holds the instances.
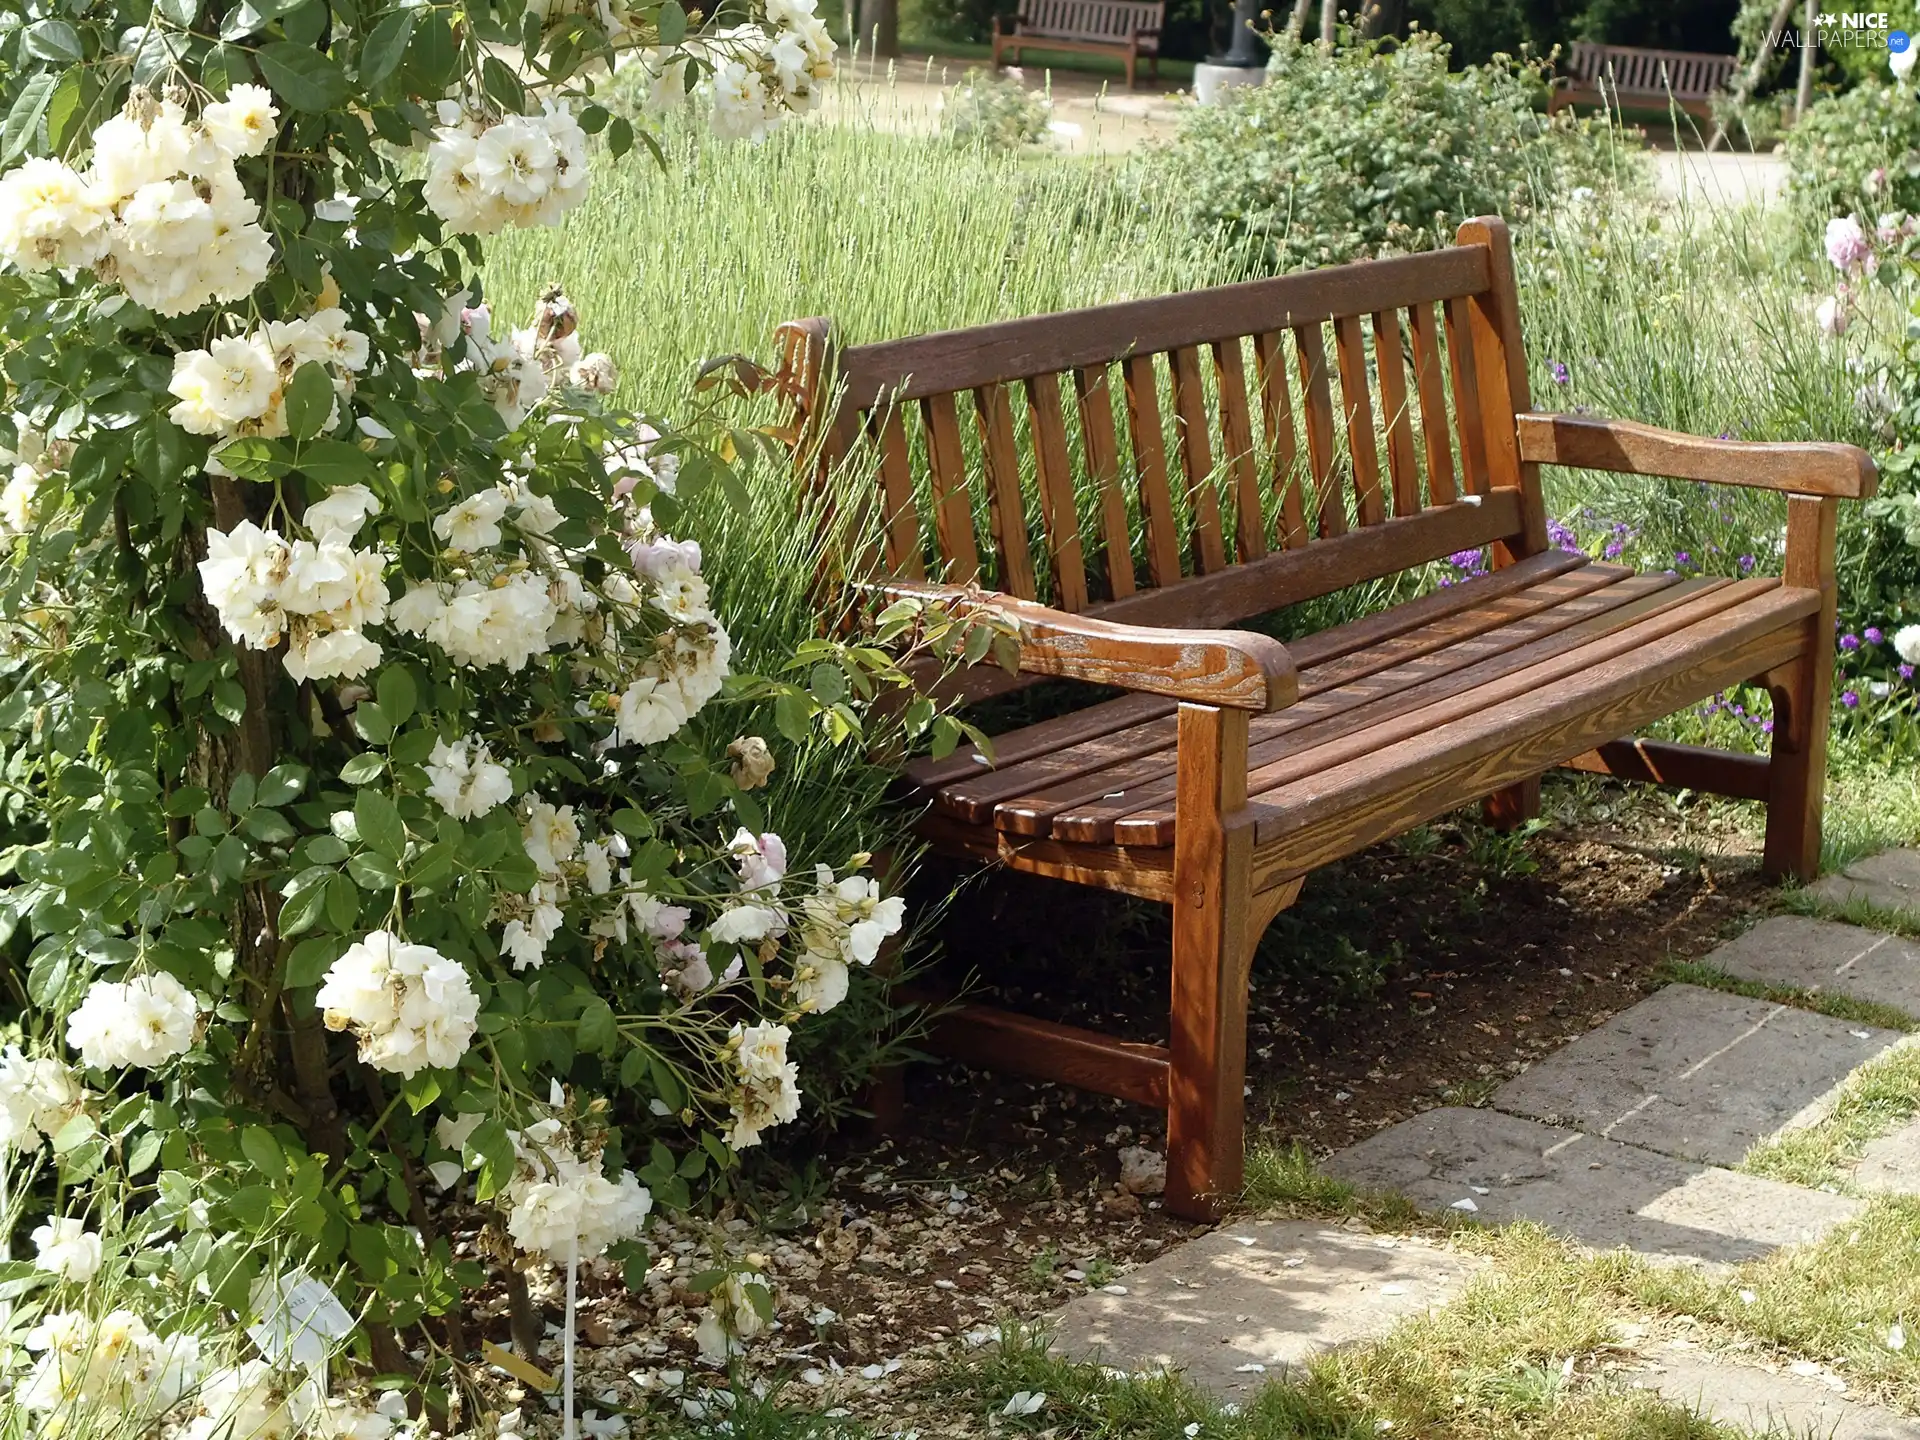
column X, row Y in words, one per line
column 1133, row 59
column 1217, row 920
column 1513, row 805
column 1802, row 702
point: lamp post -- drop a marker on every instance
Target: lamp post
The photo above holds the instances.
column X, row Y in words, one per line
column 1244, row 61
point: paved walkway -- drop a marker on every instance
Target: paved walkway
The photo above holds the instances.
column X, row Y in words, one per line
column 1627, row 1137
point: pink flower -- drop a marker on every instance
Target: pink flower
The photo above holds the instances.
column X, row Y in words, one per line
column 1832, row 317
column 1847, row 244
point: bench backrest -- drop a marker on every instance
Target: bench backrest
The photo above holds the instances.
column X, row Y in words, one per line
column 1116, row 20
column 1136, row 462
column 1685, row 73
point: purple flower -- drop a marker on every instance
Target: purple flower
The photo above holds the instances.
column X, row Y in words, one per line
column 1906, row 672
column 1682, row 559
column 1872, row 635
column 1614, row 547
column 1746, row 563
column 1766, row 727
column 1849, row 643
column 1561, row 375
column 1849, row 699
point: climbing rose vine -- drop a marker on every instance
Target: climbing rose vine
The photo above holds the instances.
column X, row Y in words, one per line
column 367, row 839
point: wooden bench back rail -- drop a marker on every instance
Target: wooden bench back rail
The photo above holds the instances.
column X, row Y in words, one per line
column 1118, row 21
column 1687, row 74
column 1266, row 442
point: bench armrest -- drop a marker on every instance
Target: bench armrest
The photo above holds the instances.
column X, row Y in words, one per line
column 1588, row 443
column 1232, row 668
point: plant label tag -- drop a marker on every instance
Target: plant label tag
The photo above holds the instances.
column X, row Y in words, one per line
column 301, row 1320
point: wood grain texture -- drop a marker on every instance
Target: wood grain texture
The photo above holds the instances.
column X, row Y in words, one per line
column 1276, row 415
column 1006, row 507
column 1021, row 1045
column 1390, row 361
column 1216, row 667
column 1016, row 349
column 1429, row 381
column 952, row 504
column 1467, row 418
column 1097, row 442
column 1236, row 449
column 1803, row 698
column 1150, row 461
column 1196, row 460
column 1146, row 874
column 1054, row 472
column 1587, row 443
column 1687, row 767
column 1207, row 1024
column 1323, row 497
column 1500, row 363
column 1356, row 404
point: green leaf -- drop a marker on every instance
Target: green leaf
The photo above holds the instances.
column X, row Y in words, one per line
column 279, row 785
column 397, row 694
column 304, row 899
column 364, row 768
column 378, row 819
column 502, row 86
column 421, row 1090
column 343, row 904
column 598, row 1030
column 309, row 401
column 672, row 23
column 619, row 136
column 263, row 1152
column 68, row 104
column 54, row 40
column 331, row 462
column 309, row 961
column 373, row 871
column 303, row 77
column 386, row 47
column 252, row 458
column 181, row 12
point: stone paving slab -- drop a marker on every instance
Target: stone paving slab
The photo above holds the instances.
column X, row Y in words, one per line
column 1245, row 1303
column 1769, row 1403
column 1695, row 1073
column 1890, row 880
column 1794, row 951
column 1600, row 1192
column 1892, row 1162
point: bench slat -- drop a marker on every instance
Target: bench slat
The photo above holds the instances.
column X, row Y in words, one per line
column 1057, row 508
column 1016, row 349
column 1346, row 809
column 1196, row 460
column 1065, row 730
column 1429, row 381
column 973, row 797
column 1276, row 414
column 1236, row 445
column 1150, row 460
column 1006, row 510
column 1097, row 440
column 1403, row 464
column 1357, row 407
column 1135, row 800
column 1317, row 395
column 952, row 505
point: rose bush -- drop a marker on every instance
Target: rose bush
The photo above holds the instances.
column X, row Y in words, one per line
column 363, row 835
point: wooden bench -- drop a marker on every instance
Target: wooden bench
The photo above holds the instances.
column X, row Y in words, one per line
column 1127, row 28
column 1618, row 75
column 1237, row 764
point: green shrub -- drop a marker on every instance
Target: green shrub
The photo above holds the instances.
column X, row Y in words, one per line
column 1858, row 149
column 1372, row 149
column 997, row 111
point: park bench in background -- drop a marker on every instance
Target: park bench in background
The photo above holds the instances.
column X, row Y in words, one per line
column 1126, row 28
column 1237, row 764
column 1622, row 75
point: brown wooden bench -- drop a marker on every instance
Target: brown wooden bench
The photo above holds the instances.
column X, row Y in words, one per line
column 1619, row 75
column 1126, row 28
column 1237, row 764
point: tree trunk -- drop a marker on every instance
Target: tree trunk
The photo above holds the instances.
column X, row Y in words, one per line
column 880, row 27
column 1757, row 70
column 1329, row 19
column 1297, row 26
column 1809, row 53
